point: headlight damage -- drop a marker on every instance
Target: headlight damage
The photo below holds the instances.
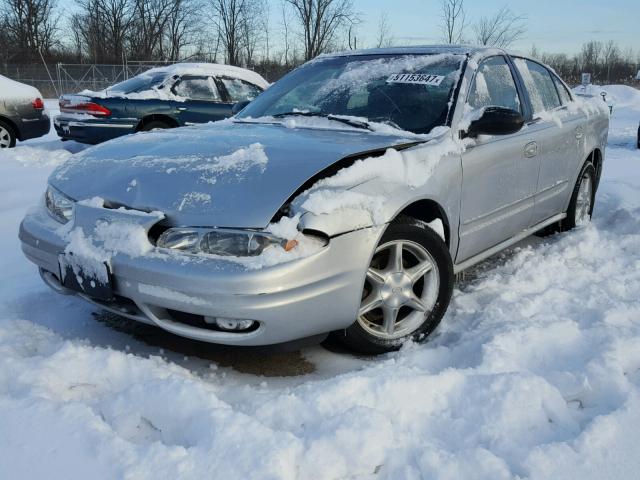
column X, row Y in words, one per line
column 223, row 242
column 60, row 206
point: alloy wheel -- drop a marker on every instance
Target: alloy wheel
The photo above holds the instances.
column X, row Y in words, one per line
column 5, row 138
column 401, row 289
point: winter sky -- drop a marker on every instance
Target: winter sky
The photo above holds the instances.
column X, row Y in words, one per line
column 555, row 26
column 552, row 25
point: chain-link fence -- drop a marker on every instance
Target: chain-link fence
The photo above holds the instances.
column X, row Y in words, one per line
column 57, row 79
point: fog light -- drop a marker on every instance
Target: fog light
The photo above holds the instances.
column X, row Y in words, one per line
column 230, row 324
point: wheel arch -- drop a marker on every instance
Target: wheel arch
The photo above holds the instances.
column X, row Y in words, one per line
column 596, row 158
column 427, row 210
column 12, row 124
column 156, row 117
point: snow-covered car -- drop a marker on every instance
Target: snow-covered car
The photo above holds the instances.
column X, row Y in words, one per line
column 22, row 113
column 165, row 97
column 344, row 199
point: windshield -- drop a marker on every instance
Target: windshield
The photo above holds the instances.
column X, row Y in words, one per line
column 412, row 92
column 139, row 83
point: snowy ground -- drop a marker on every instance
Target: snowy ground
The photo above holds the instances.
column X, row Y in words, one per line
column 534, row 373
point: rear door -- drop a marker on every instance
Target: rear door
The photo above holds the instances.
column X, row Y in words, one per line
column 202, row 100
column 558, row 133
column 499, row 176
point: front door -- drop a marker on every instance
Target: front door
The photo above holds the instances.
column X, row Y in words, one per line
column 500, row 173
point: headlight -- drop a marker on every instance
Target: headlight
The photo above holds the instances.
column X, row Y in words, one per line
column 59, row 205
column 224, row 242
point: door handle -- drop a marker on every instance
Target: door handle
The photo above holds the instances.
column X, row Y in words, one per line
column 531, row 150
column 181, row 109
column 579, row 133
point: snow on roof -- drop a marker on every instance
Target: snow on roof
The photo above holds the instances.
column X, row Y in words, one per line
column 10, row 89
column 212, row 69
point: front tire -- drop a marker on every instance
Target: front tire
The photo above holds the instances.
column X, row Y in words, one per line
column 407, row 289
column 7, row 136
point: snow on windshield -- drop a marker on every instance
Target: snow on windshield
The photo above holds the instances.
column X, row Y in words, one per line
column 409, row 92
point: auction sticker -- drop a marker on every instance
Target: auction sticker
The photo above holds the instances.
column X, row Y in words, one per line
column 416, row 78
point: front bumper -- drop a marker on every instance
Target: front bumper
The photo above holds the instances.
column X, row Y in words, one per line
column 92, row 131
column 290, row 301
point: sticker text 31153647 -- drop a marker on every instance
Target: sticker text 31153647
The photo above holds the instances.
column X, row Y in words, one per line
column 416, row 78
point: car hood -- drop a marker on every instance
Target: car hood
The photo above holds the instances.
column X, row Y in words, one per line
column 225, row 174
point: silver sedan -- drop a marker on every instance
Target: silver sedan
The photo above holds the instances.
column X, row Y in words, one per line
column 343, row 200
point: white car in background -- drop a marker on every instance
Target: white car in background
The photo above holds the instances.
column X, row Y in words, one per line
column 22, row 113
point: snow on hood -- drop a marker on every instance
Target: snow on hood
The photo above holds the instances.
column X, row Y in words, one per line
column 10, row 89
column 225, row 174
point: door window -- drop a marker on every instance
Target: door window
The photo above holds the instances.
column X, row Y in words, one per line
column 494, row 86
column 565, row 96
column 197, row 88
column 539, row 84
column 239, row 90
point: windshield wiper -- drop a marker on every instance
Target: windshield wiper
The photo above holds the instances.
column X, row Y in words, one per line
column 347, row 121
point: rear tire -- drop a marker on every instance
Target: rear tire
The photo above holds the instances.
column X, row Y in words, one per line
column 153, row 125
column 7, row 135
column 405, row 294
column 582, row 199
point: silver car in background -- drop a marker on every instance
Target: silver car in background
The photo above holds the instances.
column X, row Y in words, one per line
column 344, row 199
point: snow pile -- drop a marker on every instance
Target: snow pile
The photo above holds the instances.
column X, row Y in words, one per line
column 12, row 90
column 534, row 372
column 620, row 96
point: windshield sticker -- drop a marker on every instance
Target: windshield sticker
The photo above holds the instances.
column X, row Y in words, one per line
column 416, row 78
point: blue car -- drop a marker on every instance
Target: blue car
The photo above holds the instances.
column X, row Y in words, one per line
column 166, row 97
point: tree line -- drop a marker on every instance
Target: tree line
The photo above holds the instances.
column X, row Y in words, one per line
column 244, row 32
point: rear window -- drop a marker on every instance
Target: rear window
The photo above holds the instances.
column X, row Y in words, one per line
column 539, row 84
column 139, row 83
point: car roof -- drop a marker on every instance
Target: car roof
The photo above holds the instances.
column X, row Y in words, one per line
column 215, row 69
column 422, row 50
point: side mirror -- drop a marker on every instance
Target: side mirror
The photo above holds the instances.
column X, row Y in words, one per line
column 496, row 121
column 237, row 107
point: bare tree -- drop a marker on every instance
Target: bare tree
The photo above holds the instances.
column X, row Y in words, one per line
column 500, row 30
column 183, row 29
column 453, row 20
column 148, row 27
column 590, row 56
column 611, row 55
column 320, row 21
column 101, row 28
column 237, row 24
column 383, row 34
column 30, row 26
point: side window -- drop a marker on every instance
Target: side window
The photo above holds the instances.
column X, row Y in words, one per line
column 239, row 90
column 197, row 88
column 539, row 84
column 565, row 96
column 494, row 86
